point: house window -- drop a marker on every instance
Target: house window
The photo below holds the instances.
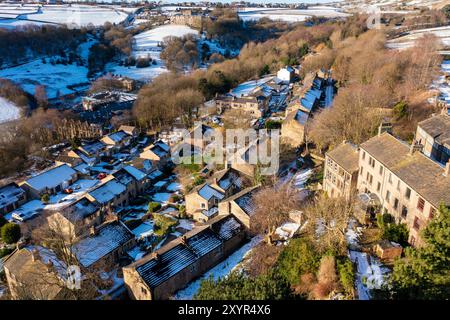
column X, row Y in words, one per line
column 408, row 193
column 398, row 185
column 420, row 204
column 378, row 187
column 390, row 178
column 364, row 155
column 203, row 205
column 388, row 195
column 432, row 213
column 416, row 224
column 395, row 203
column 370, row 179
column 144, row 291
column 413, row 241
column 404, row 212
column 361, row 171
column 381, row 169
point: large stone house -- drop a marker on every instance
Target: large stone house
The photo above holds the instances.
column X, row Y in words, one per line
column 159, row 275
column 405, row 182
column 35, row 273
column 341, row 171
column 255, row 105
column 76, row 219
column 434, row 135
column 50, row 181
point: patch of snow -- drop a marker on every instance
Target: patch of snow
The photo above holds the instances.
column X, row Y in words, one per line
column 223, row 269
column 8, row 111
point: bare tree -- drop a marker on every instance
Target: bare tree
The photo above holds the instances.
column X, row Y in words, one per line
column 328, row 220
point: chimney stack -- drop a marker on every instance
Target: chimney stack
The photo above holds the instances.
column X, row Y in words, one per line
column 34, row 255
column 447, row 169
column 92, row 231
column 415, row 147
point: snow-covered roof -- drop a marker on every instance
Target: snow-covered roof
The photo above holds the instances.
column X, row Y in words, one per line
column 136, row 173
column 118, row 136
column 80, row 209
column 110, row 237
column 107, row 191
column 10, row 194
column 176, row 256
column 207, row 192
column 51, row 178
column 93, row 147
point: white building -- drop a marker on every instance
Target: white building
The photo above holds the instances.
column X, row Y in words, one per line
column 286, row 74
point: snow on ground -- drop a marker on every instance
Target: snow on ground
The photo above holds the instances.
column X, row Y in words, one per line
column 408, row 41
column 291, row 15
column 144, row 230
column 174, row 186
column 185, row 224
column 8, row 111
column 441, row 85
column 301, row 177
column 221, row 270
column 55, row 77
column 147, row 45
column 57, row 201
column 370, row 273
column 79, row 15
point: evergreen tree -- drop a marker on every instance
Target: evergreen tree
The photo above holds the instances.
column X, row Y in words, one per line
column 238, row 286
column 424, row 272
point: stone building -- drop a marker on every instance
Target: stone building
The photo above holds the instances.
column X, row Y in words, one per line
column 159, row 275
column 293, row 128
column 405, row 182
column 240, row 205
column 341, row 171
column 434, row 135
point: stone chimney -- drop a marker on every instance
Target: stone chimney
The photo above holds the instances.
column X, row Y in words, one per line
column 155, row 256
column 385, row 126
column 34, row 255
column 184, row 240
column 49, row 265
column 415, row 147
column 447, row 169
column 92, row 231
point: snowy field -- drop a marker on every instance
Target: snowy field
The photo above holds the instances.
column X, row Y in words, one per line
column 407, row 41
column 290, row 15
column 146, row 45
column 221, row 270
column 8, row 111
column 79, row 15
column 56, row 77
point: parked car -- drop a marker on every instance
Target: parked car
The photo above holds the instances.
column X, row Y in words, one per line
column 101, row 176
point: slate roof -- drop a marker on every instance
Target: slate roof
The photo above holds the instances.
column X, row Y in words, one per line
column 176, row 255
column 109, row 237
column 420, row 173
column 439, row 128
column 80, row 209
column 345, row 155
